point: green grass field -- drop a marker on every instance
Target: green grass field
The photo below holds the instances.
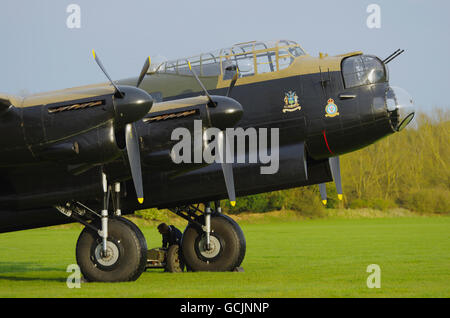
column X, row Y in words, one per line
column 312, row 258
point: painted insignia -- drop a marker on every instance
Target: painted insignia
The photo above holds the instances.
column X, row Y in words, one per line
column 331, row 109
column 291, row 102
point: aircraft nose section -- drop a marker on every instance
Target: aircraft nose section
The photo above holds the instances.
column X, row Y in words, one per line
column 134, row 105
column 226, row 113
column 400, row 106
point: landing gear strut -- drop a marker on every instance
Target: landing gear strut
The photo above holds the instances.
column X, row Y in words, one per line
column 110, row 248
column 211, row 241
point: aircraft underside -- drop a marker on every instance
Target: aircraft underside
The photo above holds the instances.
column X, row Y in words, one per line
column 36, row 206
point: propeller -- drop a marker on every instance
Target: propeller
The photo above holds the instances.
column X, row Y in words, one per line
column 227, row 167
column 211, row 102
column 233, row 82
column 100, row 64
column 134, row 157
column 335, row 167
column 144, row 71
column 224, row 150
column 131, row 105
column 323, row 193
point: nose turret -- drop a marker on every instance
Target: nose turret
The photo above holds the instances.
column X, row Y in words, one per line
column 400, row 106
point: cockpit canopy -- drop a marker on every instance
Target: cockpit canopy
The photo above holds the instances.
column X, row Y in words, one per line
column 249, row 58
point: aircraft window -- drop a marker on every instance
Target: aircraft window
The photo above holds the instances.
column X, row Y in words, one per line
column 204, row 65
column 362, row 70
column 264, row 62
column 284, row 59
column 249, row 58
column 183, row 67
column 212, row 69
column 260, row 46
column 210, row 65
column 296, row 51
column 170, row 67
column 243, row 48
column 208, row 58
column 245, row 65
column 285, row 43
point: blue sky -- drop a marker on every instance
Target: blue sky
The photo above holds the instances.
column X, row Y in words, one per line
column 40, row 53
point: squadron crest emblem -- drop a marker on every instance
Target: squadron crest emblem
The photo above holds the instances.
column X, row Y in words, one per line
column 291, row 102
column 331, row 109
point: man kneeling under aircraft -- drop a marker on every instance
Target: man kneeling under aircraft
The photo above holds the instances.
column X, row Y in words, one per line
column 168, row 256
column 170, row 234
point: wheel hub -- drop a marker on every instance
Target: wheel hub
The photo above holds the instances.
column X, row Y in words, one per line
column 214, row 247
column 110, row 257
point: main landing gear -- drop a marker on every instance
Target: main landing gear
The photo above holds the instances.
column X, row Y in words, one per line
column 125, row 257
column 212, row 241
column 110, row 248
column 113, row 249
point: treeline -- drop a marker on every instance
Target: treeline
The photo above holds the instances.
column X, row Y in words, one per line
column 409, row 169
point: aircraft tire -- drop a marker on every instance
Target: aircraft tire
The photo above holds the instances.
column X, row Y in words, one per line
column 174, row 260
column 227, row 251
column 127, row 248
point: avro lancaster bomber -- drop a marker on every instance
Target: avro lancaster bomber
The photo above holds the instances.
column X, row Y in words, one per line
column 93, row 154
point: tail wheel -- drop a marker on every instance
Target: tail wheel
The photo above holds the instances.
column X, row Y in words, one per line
column 126, row 255
column 227, row 246
column 174, row 262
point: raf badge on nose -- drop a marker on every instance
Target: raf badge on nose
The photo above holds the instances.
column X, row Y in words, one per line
column 331, row 109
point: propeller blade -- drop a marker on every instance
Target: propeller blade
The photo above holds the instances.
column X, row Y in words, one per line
column 227, row 168
column 336, row 173
column 233, row 82
column 323, row 193
column 211, row 102
column 224, row 151
column 134, row 157
column 99, row 63
column 144, row 71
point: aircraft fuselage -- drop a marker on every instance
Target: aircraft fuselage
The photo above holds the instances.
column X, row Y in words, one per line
column 317, row 116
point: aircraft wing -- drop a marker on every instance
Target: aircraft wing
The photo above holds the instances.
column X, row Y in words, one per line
column 178, row 103
column 56, row 96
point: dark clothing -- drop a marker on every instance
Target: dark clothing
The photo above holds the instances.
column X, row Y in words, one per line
column 171, row 238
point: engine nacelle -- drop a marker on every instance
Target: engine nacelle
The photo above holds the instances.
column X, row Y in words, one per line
column 97, row 145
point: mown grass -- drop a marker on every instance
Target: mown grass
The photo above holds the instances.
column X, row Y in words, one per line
column 295, row 258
